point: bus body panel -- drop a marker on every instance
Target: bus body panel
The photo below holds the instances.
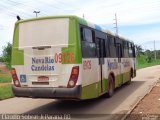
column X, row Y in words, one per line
column 57, row 50
column 48, row 51
column 41, row 42
column 91, row 83
column 121, row 68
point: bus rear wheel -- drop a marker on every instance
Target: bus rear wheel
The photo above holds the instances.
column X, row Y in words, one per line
column 110, row 86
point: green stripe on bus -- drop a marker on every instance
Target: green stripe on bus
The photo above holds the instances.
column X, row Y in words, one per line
column 126, row 76
column 94, row 90
column 121, row 78
column 74, row 44
column 90, row 91
column 15, row 51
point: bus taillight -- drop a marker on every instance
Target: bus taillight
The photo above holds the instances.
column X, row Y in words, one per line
column 15, row 78
column 73, row 77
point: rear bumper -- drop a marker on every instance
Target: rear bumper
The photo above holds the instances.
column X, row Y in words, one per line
column 68, row 93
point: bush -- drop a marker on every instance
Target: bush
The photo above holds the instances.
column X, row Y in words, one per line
column 1, row 59
column 6, row 56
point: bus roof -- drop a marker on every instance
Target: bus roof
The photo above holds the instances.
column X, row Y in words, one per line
column 80, row 20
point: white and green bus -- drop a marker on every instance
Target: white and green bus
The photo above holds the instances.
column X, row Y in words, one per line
column 66, row 57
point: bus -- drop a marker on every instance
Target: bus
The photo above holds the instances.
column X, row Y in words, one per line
column 66, row 57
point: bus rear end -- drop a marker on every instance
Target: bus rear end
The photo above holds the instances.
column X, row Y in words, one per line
column 45, row 59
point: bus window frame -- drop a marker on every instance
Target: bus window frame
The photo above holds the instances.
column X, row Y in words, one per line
column 112, row 46
column 84, row 41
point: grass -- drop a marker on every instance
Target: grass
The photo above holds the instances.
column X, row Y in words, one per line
column 5, row 83
column 139, row 66
column 142, row 63
column 6, row 92
column 5, row 78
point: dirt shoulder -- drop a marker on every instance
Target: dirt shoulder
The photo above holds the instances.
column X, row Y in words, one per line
column 4, row 70
column 149, row 107
column 4, row 84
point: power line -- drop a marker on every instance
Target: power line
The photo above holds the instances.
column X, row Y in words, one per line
column 17, row 8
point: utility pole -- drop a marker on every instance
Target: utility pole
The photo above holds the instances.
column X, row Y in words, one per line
column 155, row 57
column 83, row 16
column 116, row 24
column 36, row 12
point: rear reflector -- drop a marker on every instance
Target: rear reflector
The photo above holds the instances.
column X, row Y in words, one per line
column 15, row 78
column 73, row 77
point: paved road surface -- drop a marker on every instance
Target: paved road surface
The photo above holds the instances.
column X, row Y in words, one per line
column 123, row 100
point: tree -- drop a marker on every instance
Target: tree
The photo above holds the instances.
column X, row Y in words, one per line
column 139, row 50
column 1, row 59
column 158, row 54
column 6, row 55
column 149, row 56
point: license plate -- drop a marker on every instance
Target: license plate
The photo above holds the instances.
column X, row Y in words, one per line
column 43, row 78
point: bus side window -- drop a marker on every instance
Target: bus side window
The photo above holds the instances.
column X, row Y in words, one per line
column 87, row 44
column 107, row 47
column 97, row 42
column 112, row 47
column 100, row 48
column 133, row 49
column 87, row 34
column 125, row 49
column 100, row 40
column 130, row 50
column 81, row 34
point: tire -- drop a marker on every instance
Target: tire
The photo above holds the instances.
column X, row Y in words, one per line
column 111, row 86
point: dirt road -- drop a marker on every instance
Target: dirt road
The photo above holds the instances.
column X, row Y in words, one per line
column 116, row 107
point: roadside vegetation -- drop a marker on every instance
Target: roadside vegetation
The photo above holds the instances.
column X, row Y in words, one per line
column 5, row 91
column 5, row 83
column 147, row 58
column 5, row 76
column 6, row 55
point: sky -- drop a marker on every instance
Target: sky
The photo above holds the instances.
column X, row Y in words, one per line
column 138, row 20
